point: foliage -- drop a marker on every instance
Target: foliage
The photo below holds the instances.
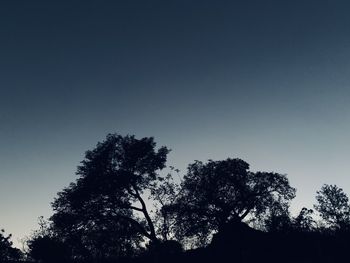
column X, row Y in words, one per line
column 333, row 206
column 104, row 211
column 45, row 246
column 217, row 192
column 7, row 251
column 104, row 215
column 163, row 194
column 48, row 249
column 278, row 218
column 304, row 221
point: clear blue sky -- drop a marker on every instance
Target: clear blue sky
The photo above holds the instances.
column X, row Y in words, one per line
column 265, row 81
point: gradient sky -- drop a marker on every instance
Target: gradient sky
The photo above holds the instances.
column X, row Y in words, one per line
column 265, row 81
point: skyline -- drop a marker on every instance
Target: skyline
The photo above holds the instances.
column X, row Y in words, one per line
column 264, row 82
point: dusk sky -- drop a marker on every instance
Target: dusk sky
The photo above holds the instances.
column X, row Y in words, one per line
column 265, row 81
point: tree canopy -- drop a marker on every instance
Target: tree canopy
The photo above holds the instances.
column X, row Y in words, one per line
column 105, row 213
column 333, row 206
column 214, row 193
column 105, row 208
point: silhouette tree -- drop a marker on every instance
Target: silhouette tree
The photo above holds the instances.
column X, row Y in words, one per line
column 164, row 194
column 48, row 249
column 45, row 246
column 219, row 192
column 278, row 218
column 304, row 221
column 333, row 206
column 7, row 251
column 105, row 209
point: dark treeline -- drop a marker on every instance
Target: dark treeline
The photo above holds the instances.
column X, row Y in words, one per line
column 127, row 206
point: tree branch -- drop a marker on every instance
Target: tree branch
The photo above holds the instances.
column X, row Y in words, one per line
column 147, row 217
column 136, row 208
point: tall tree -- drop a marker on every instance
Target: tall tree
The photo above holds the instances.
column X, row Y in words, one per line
column 333, row 206
column 106, row 206
column 218, row 192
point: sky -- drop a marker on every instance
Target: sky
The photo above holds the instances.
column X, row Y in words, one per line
column 264, row 81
